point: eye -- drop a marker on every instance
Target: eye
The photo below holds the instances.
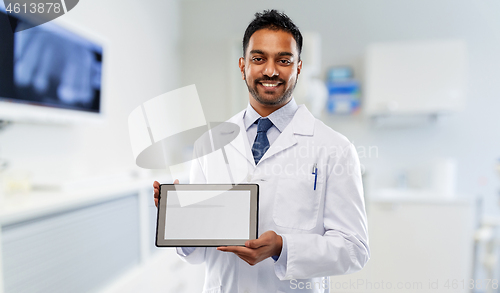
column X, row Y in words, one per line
column 285, row 61
column 257, row 59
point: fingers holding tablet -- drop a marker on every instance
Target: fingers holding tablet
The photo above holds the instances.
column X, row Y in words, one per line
column 156, row 193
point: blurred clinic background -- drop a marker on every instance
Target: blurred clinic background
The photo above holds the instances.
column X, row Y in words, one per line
column 413, row 84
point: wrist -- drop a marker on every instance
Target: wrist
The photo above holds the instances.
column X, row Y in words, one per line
column 279, row 245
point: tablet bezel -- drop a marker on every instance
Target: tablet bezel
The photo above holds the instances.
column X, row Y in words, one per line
column 161, row 216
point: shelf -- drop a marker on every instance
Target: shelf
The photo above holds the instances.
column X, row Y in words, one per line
column 416, row 197
column 21, row 207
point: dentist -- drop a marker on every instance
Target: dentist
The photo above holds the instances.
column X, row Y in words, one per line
column 312, row 219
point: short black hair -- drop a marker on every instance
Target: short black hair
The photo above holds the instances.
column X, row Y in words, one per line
column 273, row 20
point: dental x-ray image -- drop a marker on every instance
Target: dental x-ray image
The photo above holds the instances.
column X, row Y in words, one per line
column 50, row 66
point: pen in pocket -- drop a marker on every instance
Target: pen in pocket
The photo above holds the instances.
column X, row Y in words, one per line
column 315, row 172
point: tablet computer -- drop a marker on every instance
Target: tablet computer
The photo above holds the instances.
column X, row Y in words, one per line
column 203, row 215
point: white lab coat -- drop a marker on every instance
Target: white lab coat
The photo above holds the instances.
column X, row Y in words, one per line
column 324, row 230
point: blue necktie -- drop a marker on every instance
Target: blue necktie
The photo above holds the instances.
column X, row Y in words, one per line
column 261, row 144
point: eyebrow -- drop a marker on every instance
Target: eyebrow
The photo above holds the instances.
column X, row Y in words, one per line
column 257, row 52
column 279, row 53
column 285, row 54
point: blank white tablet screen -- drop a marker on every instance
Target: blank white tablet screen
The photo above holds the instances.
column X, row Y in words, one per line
column 207, row 214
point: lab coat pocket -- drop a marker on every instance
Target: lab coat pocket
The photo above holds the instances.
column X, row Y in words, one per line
column 213, row 290
column 297, row 203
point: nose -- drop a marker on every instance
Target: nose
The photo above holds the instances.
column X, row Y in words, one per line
column 270, row 69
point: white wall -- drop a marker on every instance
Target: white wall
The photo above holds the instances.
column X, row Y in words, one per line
column 346, row 28
column 142, row 61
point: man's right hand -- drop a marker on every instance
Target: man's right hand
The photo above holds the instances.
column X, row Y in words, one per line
column 156, row 186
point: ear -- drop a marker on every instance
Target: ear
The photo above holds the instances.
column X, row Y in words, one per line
column 241, row 64
column 299, row 67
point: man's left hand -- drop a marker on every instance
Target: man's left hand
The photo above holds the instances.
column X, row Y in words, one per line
column 255, row 251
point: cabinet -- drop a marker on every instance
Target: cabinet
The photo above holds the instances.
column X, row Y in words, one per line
column 90, row 240
column 415, row 78
column 416, row 246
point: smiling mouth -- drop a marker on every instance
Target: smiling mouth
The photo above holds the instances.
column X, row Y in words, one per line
column 270, row 84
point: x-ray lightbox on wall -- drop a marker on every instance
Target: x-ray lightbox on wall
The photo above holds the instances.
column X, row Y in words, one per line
column 50, row 73
column 418, row 77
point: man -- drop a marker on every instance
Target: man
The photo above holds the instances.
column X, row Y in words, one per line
column 311, row 208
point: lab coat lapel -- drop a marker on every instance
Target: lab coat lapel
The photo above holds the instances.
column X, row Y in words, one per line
column 240, row 143
column 302, row 124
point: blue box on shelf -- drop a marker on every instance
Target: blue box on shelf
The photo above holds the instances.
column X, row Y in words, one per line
column 343, row 97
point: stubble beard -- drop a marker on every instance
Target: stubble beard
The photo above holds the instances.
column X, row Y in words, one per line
column 279, row 100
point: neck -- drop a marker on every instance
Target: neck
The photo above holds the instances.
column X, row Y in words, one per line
column 266, row 110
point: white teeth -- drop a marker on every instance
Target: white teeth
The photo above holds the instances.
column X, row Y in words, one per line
column 269, row 84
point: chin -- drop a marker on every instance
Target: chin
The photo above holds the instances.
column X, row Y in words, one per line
column 271, row 98
column 271, row 102
column 266, row 99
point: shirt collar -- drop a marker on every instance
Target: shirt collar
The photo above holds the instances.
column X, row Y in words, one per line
column 280, row 118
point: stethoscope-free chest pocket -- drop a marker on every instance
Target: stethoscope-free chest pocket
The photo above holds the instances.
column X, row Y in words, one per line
column 297, row 202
